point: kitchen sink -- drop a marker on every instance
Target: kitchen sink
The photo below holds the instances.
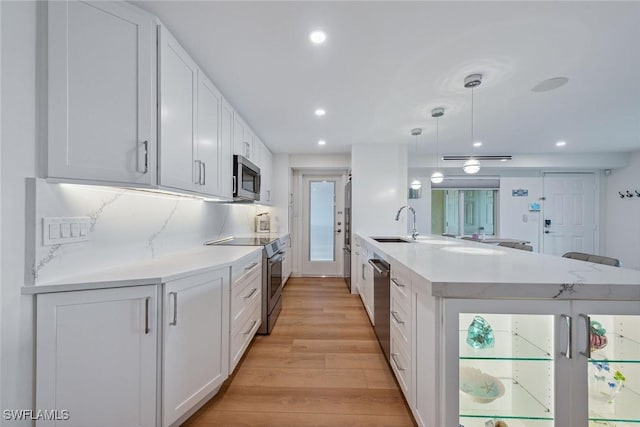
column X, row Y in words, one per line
column 391, row 240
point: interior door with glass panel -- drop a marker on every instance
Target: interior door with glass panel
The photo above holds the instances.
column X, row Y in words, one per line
column 607, row 369
column 323, row 225
column 506, row 363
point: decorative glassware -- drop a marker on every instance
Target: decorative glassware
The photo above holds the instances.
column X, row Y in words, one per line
column 597, row 336
column 606, row 383
column 480, row 333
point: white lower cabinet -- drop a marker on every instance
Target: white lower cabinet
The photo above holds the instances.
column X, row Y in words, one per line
column 401, row 323
column 246, row 306
column 195, row 342
column 97, row 356
column 286, row 261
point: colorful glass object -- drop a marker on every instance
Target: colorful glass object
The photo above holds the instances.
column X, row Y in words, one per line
column 606, row 382
column 597, row 336
column 480, row 333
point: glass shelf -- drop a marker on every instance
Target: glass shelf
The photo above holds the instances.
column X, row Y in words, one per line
column 508, row 346
column 623, row 409
column 619, row 349
column 517, row 403
column 480, row 422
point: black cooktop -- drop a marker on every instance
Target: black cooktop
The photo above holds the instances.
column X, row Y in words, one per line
column 271, row 245
column 244, row 241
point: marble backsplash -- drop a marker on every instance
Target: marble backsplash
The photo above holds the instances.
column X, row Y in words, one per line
column 125, row 226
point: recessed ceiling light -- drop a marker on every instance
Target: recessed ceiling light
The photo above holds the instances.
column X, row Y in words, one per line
column 322, row 142
column 317, row 37
column 503, row 160
column 550, row 84
column 477, row 144
column 561, row 143
column 320, row 112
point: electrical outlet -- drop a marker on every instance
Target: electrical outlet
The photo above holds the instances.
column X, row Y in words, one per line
column 63, row 230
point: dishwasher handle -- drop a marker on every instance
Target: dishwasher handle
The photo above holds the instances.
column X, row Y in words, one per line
column 380, row 266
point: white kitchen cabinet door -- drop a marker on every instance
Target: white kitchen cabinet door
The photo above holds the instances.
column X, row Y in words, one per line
column 266, row 172
column 208, row 152
column 97, row 356
column 101, row 85
column 242, row 139
column 178, row 75
column 226, row 150
column 196, row 341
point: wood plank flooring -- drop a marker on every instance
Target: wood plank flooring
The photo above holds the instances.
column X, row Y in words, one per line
column 321, row 366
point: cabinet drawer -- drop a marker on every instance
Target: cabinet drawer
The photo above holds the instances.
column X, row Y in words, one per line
column 241, row 335
column 401, row 285
column 401, row 361
column 401, row 318
column 242, row 306
column 245, row 267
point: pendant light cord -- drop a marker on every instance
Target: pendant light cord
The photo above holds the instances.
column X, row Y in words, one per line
column 472, row 141
column 437, row 139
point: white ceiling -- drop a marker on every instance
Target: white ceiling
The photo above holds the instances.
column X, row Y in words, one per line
column 385, row 65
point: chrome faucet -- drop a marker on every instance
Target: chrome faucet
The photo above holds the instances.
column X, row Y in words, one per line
column 414, row 232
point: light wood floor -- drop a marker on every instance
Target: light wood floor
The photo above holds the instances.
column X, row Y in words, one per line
column 321, row 366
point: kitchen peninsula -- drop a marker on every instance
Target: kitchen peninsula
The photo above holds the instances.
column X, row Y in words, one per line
column 542, row 309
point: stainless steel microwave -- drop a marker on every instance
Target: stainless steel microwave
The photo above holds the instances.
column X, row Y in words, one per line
column 246, row 179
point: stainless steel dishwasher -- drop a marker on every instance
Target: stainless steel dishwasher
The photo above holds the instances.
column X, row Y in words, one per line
column 381, row 304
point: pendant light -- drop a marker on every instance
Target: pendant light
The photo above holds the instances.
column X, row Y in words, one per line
column 472, row 165
column 416, row 184
column 437, row 177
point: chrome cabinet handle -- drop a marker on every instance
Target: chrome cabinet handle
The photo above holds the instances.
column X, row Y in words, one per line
column 251, row 327
column 147, row 329
column 198, row 165
column 396, row 318
column 567, row 352
column 174, row 295
column 143, row 157
column 252, row 293
column 587, row 352
column 398, row 284
column 394, row 357
column 250, row 267
column 204, row 173
column 233, row 185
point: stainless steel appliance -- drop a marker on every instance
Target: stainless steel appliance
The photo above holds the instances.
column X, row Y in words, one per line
column 246, row 179
column 347, row 234
column 271, row 275
column 381, row 304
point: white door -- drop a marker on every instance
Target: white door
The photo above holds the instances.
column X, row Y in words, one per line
column 208, row 153
column 569, row 213
column 178, row 80
column 96, row 356
column 196, row 340
column 101, row 105
column 452, row 212
column 323, row 224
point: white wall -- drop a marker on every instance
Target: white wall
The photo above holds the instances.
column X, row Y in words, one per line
column 514, row 220
column 321, row 161
column 379, row 188
column 18, row 158
column 622, row 216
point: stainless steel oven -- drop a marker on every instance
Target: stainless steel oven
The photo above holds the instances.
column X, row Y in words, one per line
column 246, row 179
column 271, row 275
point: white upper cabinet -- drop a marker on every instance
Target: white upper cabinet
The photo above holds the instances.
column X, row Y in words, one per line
column 178, row 76
column 244, row 140
column 226, row 149
column 209, row 147
column 101, row 109
column 266, row 174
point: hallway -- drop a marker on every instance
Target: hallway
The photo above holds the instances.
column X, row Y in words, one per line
column 321, row 366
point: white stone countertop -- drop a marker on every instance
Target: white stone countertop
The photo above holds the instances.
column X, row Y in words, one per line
column 150, row 272
column 465, row 269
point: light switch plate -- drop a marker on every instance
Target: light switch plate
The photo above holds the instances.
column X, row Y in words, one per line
column 63, row 230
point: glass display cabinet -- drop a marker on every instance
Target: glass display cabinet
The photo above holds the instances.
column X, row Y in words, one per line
column 541, row 363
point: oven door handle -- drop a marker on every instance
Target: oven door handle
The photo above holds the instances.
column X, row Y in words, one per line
column 275, row 259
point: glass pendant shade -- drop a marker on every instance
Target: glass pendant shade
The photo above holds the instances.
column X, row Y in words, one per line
column 437, row 177
column 471, row 166
column 416, row 184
